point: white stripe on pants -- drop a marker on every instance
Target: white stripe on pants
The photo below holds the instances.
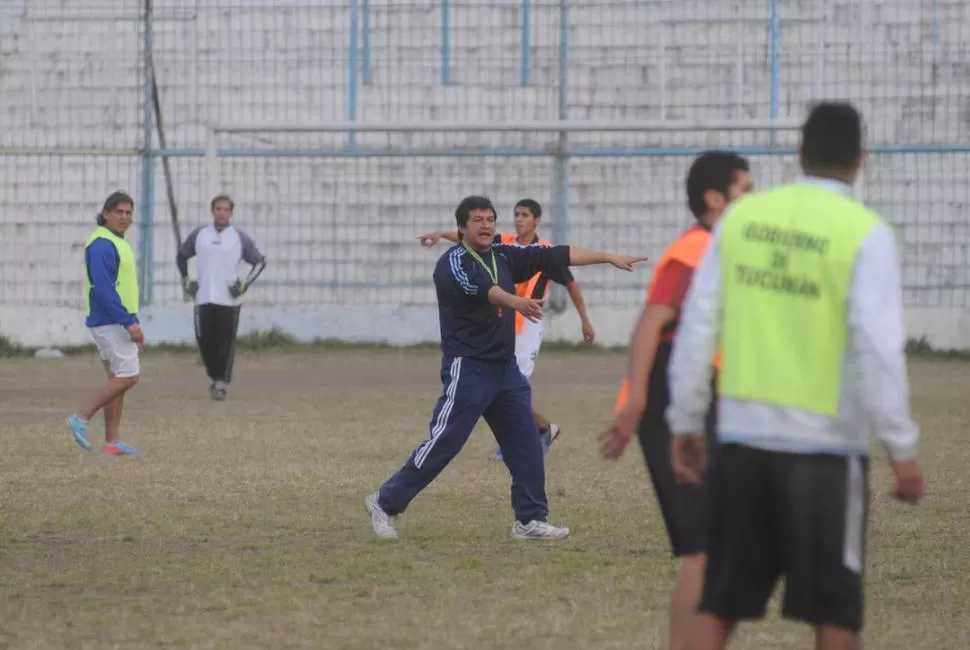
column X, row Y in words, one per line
column 441, row 422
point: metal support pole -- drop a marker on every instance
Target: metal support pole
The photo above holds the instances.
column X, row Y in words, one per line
column 739, row 73
column 365, row 37
column 526, row 40
column 213, row 177
column 146, row 210
column 560, row 229
column 445, row 42
column 352, row 73
column 773, row 29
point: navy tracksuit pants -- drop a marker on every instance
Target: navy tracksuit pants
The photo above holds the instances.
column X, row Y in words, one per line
column 497, row 391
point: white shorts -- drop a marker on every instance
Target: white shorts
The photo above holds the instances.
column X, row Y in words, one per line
column 117, row 350
column 527, row 343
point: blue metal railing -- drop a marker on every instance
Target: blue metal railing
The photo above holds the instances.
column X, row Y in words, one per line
column 510, row 152
column 360, row 63
column 446, row 42
column 773, row 42
column 352, row 72
column 146, row 211
column 365, row 41
column 360, row 72
column 526, row 41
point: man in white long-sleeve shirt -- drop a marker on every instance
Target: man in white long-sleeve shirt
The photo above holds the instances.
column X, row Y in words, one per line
column 801, row 285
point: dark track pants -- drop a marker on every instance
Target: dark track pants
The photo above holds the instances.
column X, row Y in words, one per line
column 215, row 332
column 473, row 389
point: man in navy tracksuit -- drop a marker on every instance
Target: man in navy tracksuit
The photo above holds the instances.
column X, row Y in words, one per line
column 475, row 284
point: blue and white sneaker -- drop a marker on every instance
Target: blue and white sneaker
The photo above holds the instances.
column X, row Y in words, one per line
column 79, row 428
column 548, row 436
column 118, row 448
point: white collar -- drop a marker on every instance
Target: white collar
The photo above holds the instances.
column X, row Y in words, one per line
column 827, row 183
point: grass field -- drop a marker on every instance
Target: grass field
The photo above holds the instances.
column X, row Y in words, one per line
column 242, row 526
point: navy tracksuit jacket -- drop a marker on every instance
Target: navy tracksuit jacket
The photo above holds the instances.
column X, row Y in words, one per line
column 481, row 377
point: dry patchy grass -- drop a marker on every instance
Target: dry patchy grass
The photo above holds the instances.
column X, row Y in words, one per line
column 243, row 526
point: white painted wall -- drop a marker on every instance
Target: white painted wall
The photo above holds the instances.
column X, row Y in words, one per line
column 69, row 82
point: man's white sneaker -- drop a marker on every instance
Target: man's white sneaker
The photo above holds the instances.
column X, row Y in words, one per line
column 380, row 521
column 538, row 530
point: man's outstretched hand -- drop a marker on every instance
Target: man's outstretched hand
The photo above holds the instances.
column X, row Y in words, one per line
column 430, row 239
column 626, row 262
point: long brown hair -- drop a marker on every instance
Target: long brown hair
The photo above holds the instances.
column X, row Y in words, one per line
column 112, row 202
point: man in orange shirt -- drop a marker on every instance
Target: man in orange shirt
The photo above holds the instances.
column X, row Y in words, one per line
column 528, row 334
column 715, row 179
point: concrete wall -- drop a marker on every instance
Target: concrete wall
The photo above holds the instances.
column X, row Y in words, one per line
column 341, row 230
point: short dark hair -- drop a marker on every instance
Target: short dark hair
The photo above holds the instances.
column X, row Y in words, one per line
column 531, row 205
column 221, row 197
column 712, row 170
column 470, row 203
column 113, row 201
column 832, row 137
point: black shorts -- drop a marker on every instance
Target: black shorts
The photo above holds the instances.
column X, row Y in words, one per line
column 684, row 507
column 801, row 516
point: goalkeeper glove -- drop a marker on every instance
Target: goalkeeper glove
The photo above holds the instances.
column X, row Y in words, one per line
column 237, row 289
column 190, row 288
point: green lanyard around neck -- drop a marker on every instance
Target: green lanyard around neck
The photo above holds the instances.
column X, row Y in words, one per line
column 492, row 272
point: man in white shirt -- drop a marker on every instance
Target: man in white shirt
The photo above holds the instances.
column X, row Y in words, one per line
column 218, row 248
column 801, row 286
